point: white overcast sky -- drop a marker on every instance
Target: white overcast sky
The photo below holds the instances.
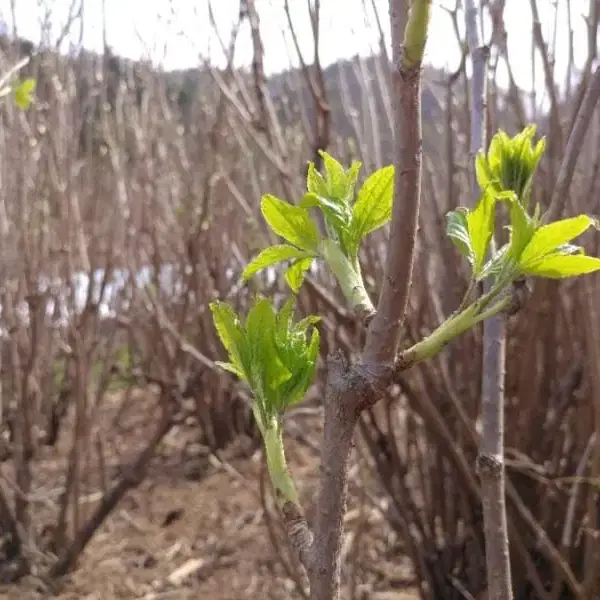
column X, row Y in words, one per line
column 177, row 33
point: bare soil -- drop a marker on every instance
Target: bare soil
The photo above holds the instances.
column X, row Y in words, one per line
column 196, row 527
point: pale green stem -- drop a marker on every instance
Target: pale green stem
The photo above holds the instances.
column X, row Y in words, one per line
column 348, row 277
column 278, row 470
column 450, row 329
column 415, row 33
column 467, row 295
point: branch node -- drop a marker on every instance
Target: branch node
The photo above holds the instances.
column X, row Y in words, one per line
column 410, row 74
column 366, row 315
column 521, row 288
column 299, row 533
column 489, row 465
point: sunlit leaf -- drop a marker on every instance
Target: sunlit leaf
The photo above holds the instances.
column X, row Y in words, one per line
column 337, row 213
column 24, row 93
column 268, row 372
column 335, row 177
column 373, row 207
column 485, row 177
column 495, row 264
column 457, row 229
column 271, row 256
column 351, row 179
column 315, row 182
column 522, row 229
column 560, row 266
column 480, row 225
column 296, row 273
column 229, row 331
column 298, row 385
column 549, row 237
column 231, row 368
column 292, row 223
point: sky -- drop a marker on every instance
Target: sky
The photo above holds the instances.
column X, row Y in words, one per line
column 178, row 34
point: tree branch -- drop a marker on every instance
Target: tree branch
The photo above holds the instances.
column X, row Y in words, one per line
column 490, row 462
column 574, row 146
column 340, row 420
column 383, row 335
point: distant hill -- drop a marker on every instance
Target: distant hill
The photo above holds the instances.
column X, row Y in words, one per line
column 353, row 91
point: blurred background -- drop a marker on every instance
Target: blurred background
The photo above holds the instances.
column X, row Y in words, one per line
column 129, row 199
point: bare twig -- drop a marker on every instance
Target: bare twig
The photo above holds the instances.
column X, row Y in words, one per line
column 490, row 462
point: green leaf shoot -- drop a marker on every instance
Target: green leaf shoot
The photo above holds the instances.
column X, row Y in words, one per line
column 271, row 353
column 510, row 163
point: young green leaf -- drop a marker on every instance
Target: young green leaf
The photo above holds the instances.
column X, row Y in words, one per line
column 351, row 179
column 480, row 225
column 337, row 214
column 497, row 152
column 271, row 256
column 292, row 223
column 230, row 333
column 522, row 229
column 335, row 177
column 300, row 357
column 268, row 372
column 559, row 266
column 233, row 369
column 549, row 237
column 24, row 93
column 303, row 325
column 485, row 177
column 284, row 322
column 495, row 264
column 457, row 229
column 295, row 389
column 315, row 182
column 373, row 207
column 296, row 273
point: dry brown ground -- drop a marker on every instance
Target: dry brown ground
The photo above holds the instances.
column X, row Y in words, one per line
column 195, row 528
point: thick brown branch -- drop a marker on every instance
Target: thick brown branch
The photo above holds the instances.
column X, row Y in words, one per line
column 340, row 419
column 384, row 332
